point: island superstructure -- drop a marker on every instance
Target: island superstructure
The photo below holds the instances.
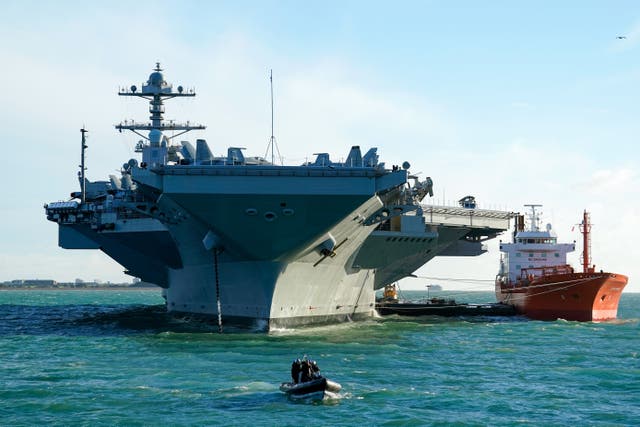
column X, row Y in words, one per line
column 242, row 238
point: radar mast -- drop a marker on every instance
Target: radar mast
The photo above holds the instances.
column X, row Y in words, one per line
column 156, row 90
column 534, row 218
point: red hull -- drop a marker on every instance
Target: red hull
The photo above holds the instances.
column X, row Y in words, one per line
column 573, row 296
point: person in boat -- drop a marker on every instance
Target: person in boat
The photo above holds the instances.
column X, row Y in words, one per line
column 305, row 371
column 315, row 370
column 296, row 369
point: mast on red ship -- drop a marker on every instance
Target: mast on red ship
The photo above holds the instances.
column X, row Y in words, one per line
column 585, row 229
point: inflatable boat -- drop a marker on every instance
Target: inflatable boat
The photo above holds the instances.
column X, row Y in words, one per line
column 316, row 389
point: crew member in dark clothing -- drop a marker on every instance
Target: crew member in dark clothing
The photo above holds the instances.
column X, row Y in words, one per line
column 295, row 371
column 305, row 371
column 315, row 370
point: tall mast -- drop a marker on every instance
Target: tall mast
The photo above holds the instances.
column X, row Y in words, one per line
column 272, row 136
column 272, row 142
column 585, row 229
column 83, row 185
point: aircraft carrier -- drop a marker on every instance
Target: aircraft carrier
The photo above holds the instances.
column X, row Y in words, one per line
column 250, row 242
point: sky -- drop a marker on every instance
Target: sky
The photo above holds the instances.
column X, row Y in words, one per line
column 512, row 102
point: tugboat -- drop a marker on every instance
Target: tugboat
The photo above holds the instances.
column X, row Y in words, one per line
column 436, row 306
column 307, row 383
column 535, row 278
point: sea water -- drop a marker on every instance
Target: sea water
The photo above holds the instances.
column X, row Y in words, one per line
column 107, row 358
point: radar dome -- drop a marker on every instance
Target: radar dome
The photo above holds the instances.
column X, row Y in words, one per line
column 156, row 78
column 155, row 136
column 406, row 165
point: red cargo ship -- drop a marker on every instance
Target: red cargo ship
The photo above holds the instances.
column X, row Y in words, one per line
column 535, row 278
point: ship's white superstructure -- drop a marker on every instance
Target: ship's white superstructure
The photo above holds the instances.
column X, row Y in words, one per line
column 532, row 250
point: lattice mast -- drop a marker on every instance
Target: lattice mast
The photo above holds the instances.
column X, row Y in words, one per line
column 273, row 145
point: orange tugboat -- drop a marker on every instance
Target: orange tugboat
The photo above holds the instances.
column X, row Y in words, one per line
column 535, row 278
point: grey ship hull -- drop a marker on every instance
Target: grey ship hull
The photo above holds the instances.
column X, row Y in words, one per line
column 298, row 287
column 267, row 272
column 304, row 289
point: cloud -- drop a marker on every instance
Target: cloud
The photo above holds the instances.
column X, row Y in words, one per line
column 330, row 111
column 612, row 181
